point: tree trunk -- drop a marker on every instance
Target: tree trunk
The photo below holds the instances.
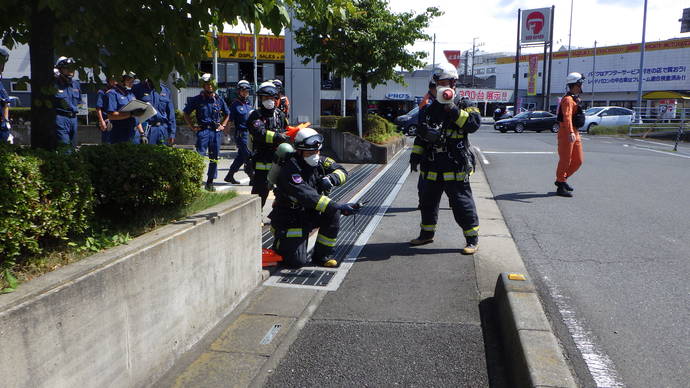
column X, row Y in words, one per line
column 42, row 78
column 364, row 82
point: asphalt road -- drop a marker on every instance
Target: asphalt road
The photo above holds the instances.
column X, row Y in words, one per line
column 611, row 263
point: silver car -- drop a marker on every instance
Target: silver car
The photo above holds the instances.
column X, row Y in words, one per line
column 607, row 116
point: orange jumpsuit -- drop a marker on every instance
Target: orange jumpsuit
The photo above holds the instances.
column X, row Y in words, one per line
column 570, row 155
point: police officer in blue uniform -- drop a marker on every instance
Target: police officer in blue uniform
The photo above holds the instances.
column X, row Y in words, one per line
column 239, row 113
column 101, row 100
column 125, row 127
column 302, row 203
column 267, row 126
column 212, row 115
column 442, row 148
column 66, row 101
column 161, row 128
column 4, row 100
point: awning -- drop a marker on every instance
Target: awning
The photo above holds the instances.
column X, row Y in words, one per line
column 668, row 95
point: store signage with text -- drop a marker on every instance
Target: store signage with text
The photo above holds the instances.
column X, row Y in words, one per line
column 241, row 46
column 535, row 26
column 453, row 57
column 486, row 95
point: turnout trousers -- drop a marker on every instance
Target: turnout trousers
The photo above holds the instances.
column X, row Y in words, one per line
column 461, row 201
column 291, row 228
column 261, row 163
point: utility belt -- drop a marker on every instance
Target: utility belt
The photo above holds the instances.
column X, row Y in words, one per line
column 157, row 124
column 71, row 115
column 286, row 204
column 211, row 126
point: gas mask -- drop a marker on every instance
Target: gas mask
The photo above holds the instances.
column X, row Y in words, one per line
column 444, row 94
column 312, row 160
column 269, row 104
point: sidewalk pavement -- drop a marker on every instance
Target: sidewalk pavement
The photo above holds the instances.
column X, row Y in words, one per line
column 407, row 316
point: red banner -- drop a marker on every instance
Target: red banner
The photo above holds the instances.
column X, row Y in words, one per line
column 453, row 57
column 532, row 76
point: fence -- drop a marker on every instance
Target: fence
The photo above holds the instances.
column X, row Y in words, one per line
column 657, row 121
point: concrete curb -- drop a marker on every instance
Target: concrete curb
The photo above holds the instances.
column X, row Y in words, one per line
column 534, row 355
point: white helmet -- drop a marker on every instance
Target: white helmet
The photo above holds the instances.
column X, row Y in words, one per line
column 308, row 139
column 574, row 78
column 445, row 71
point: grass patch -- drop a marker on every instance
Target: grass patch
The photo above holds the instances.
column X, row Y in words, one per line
column 101, row 238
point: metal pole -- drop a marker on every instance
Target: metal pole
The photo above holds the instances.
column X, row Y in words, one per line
column 570, row 31
column 343, row 101
column 215, row 55
column 543, row 78
column 467, row 62
column 433, row 58
column 548, row 86
column 256, row 69
column 640, row 75
column 517, row 67
column 473, row 40
column 359, row 113
column 594, row 74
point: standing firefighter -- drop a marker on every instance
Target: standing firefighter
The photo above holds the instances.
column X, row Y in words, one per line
column 66, row 99
column 212, row 115
column 442, row 148
column 267, row 126
column 570, row 118
column 302, row 203
column 239, row 112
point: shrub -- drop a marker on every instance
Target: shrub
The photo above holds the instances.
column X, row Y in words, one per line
column 129, row 178
column 330, row 121
column 44, row 196
column 378, row 130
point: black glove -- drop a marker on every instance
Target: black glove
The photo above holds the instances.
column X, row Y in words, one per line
column 325, row 184
column 138, row 112
column 348, row 209
column 280, row 138
column 414, row 165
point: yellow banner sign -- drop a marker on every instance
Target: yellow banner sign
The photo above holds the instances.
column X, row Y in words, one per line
column 241, row 46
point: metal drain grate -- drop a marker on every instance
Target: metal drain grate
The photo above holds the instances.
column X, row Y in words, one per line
column 306, row 277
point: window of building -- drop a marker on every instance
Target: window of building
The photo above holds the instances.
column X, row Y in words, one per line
column 20, row 87
column 491, row 70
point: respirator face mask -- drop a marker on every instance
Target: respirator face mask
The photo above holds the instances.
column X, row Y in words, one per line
column 312, row 160
column 269, row 104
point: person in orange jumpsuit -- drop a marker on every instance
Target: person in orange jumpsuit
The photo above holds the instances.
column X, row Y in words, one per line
column 570, row 118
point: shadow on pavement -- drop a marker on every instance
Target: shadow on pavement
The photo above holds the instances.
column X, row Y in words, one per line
column 384, row 251
column 495, row 362
column 523, row 196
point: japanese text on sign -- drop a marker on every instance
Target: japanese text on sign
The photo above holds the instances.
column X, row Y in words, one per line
column 653, row 74
column 488, row 95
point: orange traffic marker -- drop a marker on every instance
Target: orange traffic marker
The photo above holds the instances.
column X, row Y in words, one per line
column 269, row 257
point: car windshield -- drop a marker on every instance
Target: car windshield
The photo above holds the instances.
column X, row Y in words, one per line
column 413, row 111
column 522, row 115
column 593, row 111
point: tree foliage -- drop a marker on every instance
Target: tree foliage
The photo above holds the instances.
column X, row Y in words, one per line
column 149, row 37
column 368, row 44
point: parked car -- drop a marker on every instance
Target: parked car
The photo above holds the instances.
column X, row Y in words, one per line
column 606, row 115
column 506, row 114
column 534, row 121
column 407, row 123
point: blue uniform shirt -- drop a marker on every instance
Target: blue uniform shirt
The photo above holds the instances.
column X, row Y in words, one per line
column 102, row 101
column 209, row 110
column 144, row 91
column 117, row 98
column 4, row 97
column 67, row 97
column 239, row 113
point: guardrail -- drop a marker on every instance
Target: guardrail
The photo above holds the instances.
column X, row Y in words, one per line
column 648, row 120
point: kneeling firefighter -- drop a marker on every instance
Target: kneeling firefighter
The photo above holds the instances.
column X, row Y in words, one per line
column 442, row 148
column 302, row 203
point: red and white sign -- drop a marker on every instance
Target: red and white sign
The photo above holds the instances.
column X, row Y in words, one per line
column 486, row 95
column 536, row 25
column 453, row 57
column 532, row 75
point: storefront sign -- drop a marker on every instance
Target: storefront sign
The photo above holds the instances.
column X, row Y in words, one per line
column 486, row 95
column 453, row 57
column 532, row 76
column 398, row 96
column 651, row 74
column 535, row 26
column 241, row 46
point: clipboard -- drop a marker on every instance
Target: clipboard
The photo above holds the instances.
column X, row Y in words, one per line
column 149, row 110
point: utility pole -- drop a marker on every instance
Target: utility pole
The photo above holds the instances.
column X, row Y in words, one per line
column 467, row 60
column 570, row 32
column 640, row 75
column 256, row 69
column 594, row 74
column 473, row 52
column 433, row 65
column 517, row 67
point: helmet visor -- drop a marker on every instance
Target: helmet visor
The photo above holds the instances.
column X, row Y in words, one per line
column 313, row 142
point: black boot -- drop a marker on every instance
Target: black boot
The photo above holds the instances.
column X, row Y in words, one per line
column 562, row 191
column 230, row 178
column 424, row 238
column 565, row 184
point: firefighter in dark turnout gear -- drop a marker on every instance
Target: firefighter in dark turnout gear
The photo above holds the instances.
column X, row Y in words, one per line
column 442, row 154
column 302, row 203
column 267, row 130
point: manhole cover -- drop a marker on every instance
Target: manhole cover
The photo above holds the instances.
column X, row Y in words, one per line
column 306, row 277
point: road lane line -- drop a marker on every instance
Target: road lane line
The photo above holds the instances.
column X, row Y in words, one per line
column 653, row 142
column 521, row 152
column 598, row 363
column 670, row 153
column 485, row 161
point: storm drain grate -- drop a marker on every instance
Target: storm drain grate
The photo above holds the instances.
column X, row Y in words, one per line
column 306, row 277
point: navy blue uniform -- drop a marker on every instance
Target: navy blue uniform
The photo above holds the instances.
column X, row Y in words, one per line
column 124, row 131
column 266, row 128
column 101, row 101
column 239, row 114
column 66, row 101
column 4, row 100
column 162, row 126
column 302, row 206
column 209, row 114
column 445, row 165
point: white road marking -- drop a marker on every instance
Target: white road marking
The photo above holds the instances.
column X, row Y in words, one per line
column 599, row 364
column 485, row 161
column 521, row 152
column 653, row 142
column 670, row 153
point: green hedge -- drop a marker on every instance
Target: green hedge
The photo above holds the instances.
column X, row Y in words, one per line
column 330, row 121
column 128, row 178
column 44, row 196
column 47, row 197
column 378, row 130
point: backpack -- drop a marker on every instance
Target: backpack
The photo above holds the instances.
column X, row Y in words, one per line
column 578, row 118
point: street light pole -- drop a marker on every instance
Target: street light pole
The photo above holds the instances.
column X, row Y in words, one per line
column 641, row 72
column 473, row 45
column 570, row 32
column 594, row 74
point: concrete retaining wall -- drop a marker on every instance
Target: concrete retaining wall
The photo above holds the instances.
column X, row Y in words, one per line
column 121, row 318
column 349, row 148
